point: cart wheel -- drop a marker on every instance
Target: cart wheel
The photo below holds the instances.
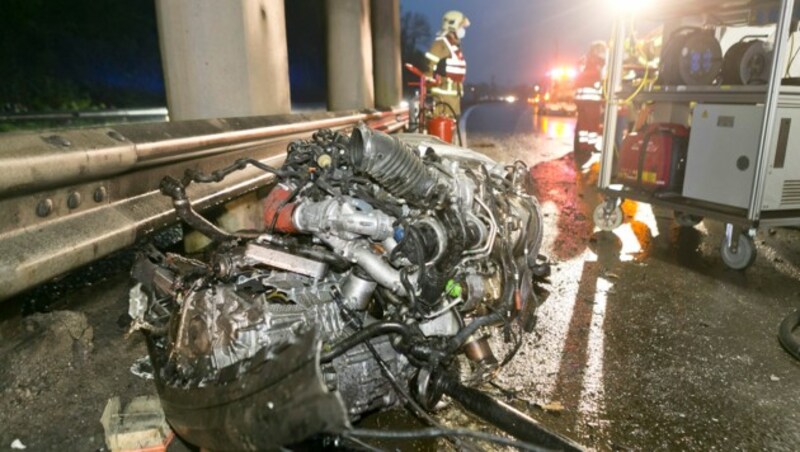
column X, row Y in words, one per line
column 608, row 215
column 687, row 220
column 743, row 257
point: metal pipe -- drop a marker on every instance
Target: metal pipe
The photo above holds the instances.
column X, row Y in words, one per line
column 358, row 252
column 487, row 248
column 34, row 161
column 183, row 207
column 166, row 148
column 161, row 149
column 770, row 110
column 503, row 416
column 610, row 119
column 102, row 114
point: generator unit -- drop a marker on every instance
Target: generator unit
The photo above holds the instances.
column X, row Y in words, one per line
column 720, row 162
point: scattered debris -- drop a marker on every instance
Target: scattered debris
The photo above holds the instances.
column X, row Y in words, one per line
column 552, row 407
column 140, row 426
column 17, row 444
column 143, row 368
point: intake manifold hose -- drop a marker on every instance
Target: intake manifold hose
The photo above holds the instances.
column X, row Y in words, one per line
column 390, row 163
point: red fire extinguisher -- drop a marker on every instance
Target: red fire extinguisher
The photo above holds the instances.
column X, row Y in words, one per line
column 437, row 125
column 442, row 127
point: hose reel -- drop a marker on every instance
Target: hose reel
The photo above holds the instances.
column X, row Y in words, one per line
column 692, row 56
column 747, row 63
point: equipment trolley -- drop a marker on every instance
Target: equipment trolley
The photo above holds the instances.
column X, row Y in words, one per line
column 742, row 158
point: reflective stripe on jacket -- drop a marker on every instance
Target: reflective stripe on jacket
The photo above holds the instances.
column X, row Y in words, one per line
column 455, row 64
column 442, row 51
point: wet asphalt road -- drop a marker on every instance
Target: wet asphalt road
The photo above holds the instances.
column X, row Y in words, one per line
column 647, row 341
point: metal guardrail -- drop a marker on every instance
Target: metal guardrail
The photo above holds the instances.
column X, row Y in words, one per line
column 69, row 197
column 100, row 115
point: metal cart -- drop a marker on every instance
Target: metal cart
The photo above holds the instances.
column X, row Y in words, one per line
column 743, row 161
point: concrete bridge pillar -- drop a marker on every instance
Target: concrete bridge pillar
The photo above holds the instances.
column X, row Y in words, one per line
column 224, row 58
column 350, row 82
column 386, row 53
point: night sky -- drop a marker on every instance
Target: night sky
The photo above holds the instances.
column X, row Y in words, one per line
column 517, row 41
column 79, row 54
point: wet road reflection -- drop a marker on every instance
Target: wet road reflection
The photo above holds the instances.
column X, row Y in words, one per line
column 553, row 127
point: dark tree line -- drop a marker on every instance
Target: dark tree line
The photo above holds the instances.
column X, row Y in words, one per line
column 77, row 54
column 83, row 54
column 415, row 38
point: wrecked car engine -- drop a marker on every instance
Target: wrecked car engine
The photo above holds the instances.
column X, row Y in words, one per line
column 382, row 262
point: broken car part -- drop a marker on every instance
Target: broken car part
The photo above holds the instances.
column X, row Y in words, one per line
column 383, row 260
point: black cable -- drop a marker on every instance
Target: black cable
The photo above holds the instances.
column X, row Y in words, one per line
column 220, row 174
column 791, row 59
column 368, row 332
column 439, row 432
column 409, row 403
column 458, row 340
column 517, row 345
column 409, row 288
column 176, row 190
column 785, row 336
column 357, row 444
column 456, row 118
column 415, row 408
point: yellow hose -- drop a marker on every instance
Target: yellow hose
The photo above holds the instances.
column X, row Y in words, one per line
column 605, row 89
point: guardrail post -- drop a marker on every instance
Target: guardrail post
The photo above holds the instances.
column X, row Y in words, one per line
column 224, row 59
column 350, row 82
column 386, row 52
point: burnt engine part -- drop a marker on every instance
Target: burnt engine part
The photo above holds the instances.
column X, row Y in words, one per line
column 392, row 164
column 383, row 260
column 505, row 417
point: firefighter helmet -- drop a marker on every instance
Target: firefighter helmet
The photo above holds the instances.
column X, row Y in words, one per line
column 598, row 49
column 454, row 20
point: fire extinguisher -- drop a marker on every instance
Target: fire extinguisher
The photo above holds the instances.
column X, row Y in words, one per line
column 442, row 127
column 427, row 121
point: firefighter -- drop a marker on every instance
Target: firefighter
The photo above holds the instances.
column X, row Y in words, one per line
column 446, row 60
column 589, row 102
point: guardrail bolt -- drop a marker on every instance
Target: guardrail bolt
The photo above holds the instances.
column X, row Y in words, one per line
column 74, row 200
column 44, row 208
column 100, row 194
column 57, row 140
column 116, row 135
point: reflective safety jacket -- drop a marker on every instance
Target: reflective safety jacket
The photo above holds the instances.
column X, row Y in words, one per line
column 445, row 58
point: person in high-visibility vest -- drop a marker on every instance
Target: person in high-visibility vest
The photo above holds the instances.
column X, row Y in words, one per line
column 589, row 102
column 446, row 60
